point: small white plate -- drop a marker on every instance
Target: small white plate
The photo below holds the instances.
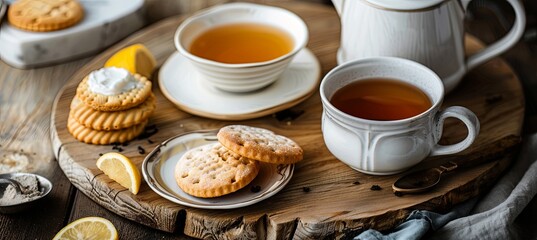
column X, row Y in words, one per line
column 182, row 85
column 159, row 165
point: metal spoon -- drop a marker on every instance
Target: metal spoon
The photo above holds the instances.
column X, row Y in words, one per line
column 13, row 183
column 3, row 7
column 424, row 180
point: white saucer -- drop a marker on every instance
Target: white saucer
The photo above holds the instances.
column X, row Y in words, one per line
column 159, row 165
column 182, row 85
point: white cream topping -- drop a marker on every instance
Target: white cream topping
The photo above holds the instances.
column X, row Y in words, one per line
column 112, row 81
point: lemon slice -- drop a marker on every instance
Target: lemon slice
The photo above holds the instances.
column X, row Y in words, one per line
column 120, row 169
column 135, row 58
column 88, row 228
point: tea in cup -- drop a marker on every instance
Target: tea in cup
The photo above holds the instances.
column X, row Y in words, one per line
column 241, row 47
column 383, row 115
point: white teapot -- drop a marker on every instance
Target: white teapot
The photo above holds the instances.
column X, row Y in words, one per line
column 430, row 32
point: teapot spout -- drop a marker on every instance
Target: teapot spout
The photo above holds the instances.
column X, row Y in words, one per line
column 338, row 4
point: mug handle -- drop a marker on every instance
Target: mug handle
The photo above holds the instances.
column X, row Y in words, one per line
column 463, row 114
column 505, row 42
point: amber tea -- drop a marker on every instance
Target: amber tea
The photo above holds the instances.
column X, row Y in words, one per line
column 242, row 43
column 381, row 99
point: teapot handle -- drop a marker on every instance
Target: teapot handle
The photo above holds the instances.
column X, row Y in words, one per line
column 505, row 42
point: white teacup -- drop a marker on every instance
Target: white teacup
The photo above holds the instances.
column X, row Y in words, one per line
column 241, row 77
column 389, row 147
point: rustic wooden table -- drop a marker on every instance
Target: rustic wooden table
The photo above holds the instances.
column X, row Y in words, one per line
column 26, row 98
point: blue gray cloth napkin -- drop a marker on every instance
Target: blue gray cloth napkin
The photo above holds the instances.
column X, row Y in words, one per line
column 491, row 217
column 419, row 223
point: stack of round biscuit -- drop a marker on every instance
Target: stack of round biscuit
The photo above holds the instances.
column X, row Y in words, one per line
column 106, row 119
column 232, row 163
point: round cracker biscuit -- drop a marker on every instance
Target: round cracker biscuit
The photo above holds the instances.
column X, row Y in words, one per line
column 88, row 135
column 44, row 15
column 260, row 144
column 212, row 170
column 123, row 101
column 99, row 120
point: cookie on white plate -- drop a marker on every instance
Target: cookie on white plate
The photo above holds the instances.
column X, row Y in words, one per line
column 212, row 170
column 260, row 144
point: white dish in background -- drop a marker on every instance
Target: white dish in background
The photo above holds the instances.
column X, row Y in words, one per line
column 159, row 165
column 183, row 85
column 105, row 22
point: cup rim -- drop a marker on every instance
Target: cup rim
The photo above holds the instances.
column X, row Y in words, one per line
column 326, row 102
column 207, row 12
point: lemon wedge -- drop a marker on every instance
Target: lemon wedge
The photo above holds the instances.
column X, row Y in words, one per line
column 88, row 228
column 135, row 58
column 120, row 169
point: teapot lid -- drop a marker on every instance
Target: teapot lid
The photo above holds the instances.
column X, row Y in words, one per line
column 405, row 5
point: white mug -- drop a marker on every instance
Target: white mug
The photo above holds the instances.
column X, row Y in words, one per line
column 389, row 147
column 430, row 32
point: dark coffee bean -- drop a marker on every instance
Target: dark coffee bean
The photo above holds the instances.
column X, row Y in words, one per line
column 288, row 115
column 148, row 132
column 376, row 188
column 141, row 150
column 255, row 188
column 494, row 99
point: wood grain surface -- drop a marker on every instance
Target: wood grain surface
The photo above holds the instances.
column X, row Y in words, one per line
column 26, row 98
column 339, row 202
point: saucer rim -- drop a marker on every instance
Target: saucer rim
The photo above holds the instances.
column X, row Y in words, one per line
column 269, row 109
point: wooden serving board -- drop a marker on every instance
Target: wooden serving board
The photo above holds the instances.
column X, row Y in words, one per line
column 339, row 202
